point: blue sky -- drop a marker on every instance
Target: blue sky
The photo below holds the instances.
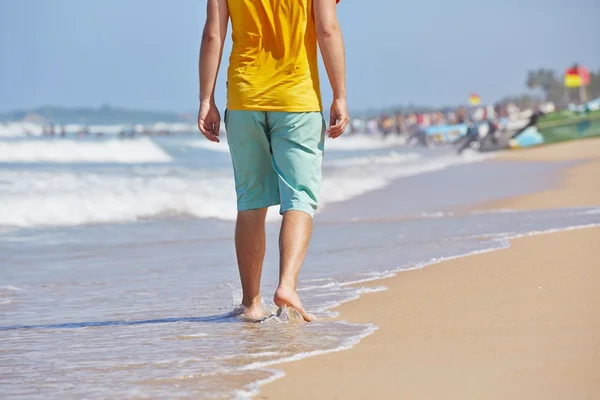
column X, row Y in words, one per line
column 143, row 53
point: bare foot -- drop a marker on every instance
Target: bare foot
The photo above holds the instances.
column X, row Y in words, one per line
column 254, row 312
column 289, row 297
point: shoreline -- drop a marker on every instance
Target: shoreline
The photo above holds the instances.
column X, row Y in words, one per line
column 342, row 374
column 574, row 185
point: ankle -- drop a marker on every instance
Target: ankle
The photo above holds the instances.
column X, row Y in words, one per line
column 287, row 285
column 251, row 302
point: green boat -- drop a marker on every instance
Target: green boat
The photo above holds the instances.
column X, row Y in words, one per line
column 569, row 126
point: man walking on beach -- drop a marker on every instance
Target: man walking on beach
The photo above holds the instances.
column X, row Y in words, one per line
column 275, row 128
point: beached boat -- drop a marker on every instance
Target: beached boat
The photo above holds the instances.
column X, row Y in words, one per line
column 560, row 127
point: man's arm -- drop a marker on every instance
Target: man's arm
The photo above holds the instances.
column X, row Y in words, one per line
column 332, row 49
column 211, row 51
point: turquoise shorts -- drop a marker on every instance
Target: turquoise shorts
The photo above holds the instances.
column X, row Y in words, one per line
column 277, row 158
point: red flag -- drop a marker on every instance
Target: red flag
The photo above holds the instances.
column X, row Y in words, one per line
column 577, row 76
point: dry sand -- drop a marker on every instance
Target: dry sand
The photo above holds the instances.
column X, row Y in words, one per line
column 520, row 323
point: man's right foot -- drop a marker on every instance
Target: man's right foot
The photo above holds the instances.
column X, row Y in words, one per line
column 286, row 297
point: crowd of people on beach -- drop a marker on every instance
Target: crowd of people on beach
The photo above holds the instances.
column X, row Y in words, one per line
column 485, row 128
column 409, row 124
column 405, row 127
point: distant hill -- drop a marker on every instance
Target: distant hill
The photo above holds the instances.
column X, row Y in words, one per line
column 104, row 115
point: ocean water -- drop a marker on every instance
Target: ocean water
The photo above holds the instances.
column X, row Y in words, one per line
column 117, row 268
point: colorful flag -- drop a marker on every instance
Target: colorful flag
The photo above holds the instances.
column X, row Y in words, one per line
column 577, row 76
column 474, row 99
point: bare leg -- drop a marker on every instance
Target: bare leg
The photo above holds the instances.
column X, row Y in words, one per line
column 294, row 238
column 250, row 248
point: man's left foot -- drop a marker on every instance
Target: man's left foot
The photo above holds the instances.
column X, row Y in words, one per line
column 253, row 313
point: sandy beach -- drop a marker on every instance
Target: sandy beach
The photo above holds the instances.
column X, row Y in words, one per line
column 520, row 323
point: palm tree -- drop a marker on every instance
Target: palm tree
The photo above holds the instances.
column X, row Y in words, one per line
column 542, row 79
column 548, row 78
column 533, row 80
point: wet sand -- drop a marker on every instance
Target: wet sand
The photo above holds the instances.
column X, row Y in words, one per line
column 578, row 185
column 519, row 323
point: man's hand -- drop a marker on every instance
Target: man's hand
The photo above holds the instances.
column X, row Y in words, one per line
column 331, row 44
column 209, row 121
column 213, row 37
column 338, row 120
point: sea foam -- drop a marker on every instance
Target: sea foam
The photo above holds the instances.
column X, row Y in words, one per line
column 33, row 197
column 141, row 150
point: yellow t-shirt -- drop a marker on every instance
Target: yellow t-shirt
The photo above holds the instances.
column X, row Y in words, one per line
column 273, row 64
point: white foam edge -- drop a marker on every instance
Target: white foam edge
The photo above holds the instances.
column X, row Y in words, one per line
column 446, row 214
column 253, row 389
column 355, row 295
column 251, row 355
column 12, row 288
column 376, row 276
column 553, row 230
column 584, row 210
